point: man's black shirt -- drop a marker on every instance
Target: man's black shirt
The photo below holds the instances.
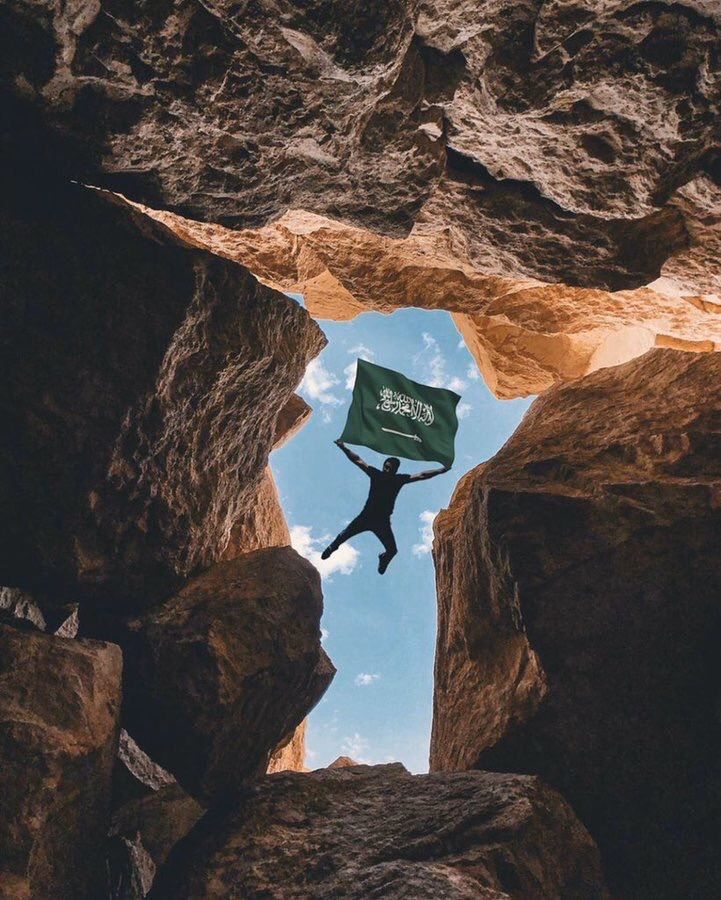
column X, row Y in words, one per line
column 383, row 492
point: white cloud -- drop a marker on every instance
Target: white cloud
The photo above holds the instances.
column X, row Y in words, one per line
column 457, row 384
column 473, row 372
column 344, row 560
column 365, row 678
column 432, row 364
column 363, row 352
column 426, row 532
column 318, row 382
column 461, row 344
column 356, row 747
column 324, row 635
column 463, row 410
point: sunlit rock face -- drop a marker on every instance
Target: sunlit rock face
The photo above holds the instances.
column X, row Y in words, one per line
column 59, row 722
column 525, row 335
column 143, row 381
column 578, row 581
column 289, row 756
column 569, row 143
column 377, row 831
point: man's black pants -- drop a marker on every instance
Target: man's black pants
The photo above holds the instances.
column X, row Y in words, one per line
column 381, row 528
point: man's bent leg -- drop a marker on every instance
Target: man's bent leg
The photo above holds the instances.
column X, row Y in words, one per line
column 384, row 533
column 351, row 530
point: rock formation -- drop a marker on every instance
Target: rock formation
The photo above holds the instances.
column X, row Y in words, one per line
column 578, row 581
column 527, row 146
column 369, row 831
column 143, row 832
column 218, row 675
column 59, row 712
column 141, row 397
column 289, row 755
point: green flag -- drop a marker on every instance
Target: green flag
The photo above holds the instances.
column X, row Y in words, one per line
column 399, row 417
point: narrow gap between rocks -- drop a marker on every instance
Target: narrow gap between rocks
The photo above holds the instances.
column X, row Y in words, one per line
column 380, row 630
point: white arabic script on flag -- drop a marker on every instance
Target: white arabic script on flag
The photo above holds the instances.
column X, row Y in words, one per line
column 402, row 405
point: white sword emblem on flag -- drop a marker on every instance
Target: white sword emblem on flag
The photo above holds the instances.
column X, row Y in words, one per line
column 413, row 437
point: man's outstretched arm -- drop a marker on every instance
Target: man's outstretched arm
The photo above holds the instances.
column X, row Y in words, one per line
column 353, row 457
column 431, row 473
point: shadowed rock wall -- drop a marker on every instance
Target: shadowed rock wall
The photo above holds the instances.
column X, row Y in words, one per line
column 578, row 583
column 143, row 380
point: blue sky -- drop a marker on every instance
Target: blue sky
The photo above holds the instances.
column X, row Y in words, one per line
column 380, row 630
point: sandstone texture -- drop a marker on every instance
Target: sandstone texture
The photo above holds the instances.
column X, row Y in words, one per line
column 289, row 755
column 59, row 713
column 578, row 582
column 526, row 146
column 263, row 523
column 376, row 831
column 219, row 674
column 525, row 335
column 141, row 397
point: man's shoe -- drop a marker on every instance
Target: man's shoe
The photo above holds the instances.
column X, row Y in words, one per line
column 327, row 552
column 383, row 560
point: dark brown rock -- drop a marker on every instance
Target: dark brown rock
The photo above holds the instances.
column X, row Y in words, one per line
column 59, row 712
column 377, row 831
column 135, row 774
column 549, row 137
column 142, row 834
column 140, row 401
column 579, row 576
column 219, row 674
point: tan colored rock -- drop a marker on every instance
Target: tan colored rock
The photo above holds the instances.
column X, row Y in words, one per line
column 377, row 831
column 219, row 674
column 578, row 577
column 342, row 762
column 263, row 525
column 539, row 145
column 291, row 419
column 289, row 756
column 140, row 415
column 59, row 721
column 549, row 137
column 525, row 335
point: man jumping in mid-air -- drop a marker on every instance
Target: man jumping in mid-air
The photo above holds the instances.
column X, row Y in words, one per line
column 376, row 514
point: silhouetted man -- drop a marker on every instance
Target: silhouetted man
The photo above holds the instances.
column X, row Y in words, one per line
column 376, row 514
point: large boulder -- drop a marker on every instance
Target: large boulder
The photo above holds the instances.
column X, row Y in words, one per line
column 540, row 133
column 59, row 721
column 142, row 834
column 219, row 674
column 142, row 384
column 515, row 145
column 377, row 831
column 578, row 577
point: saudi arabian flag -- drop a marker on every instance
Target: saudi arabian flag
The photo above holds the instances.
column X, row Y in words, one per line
column 399, row 417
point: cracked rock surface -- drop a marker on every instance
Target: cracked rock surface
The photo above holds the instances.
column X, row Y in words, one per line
column 578, row 580
column 141, row 397
column 364, row 831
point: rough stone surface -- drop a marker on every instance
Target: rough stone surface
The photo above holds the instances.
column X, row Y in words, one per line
column 525, row 335
column 220, row 673
column 289, row 755
column 135, row 774
column 262, row 525
column 572, row 142
column 578, row 577
column 59, row 712
column 140, row 401
column 550, row 137
column 342, row 762
column 377, row 831
column 143, row 832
